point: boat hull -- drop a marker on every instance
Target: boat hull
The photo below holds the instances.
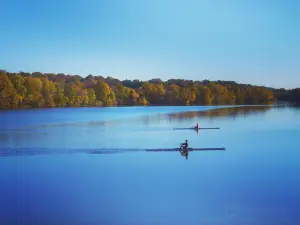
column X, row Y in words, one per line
column 200, row 128
column 189, row 149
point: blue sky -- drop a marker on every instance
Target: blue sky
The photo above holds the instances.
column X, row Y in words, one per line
column 253, row 42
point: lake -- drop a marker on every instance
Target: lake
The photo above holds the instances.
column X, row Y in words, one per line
column 89, row 166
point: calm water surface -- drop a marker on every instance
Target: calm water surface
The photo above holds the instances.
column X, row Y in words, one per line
column 88, row 166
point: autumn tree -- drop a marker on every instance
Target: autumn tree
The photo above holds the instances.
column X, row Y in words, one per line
column 173, row 94
column 104, row 93
column 6, row 92
column 34, row 97
column 37, row 89
column 48, row 92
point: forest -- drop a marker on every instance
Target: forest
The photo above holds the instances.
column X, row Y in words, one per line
column 44, row 90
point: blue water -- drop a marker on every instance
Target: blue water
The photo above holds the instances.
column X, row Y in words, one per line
column 55, row 166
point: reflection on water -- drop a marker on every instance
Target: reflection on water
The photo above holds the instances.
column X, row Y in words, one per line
column 62, row 125
column 224, row 112
column 184, row 153
column 150, row 120
column 231, row 112
column 130, row 132
column 84, row 137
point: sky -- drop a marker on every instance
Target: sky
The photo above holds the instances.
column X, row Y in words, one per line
column 254, row 42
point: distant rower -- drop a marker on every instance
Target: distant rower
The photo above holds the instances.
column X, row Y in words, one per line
column 197, row 126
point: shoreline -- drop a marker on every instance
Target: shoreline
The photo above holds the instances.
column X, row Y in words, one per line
column 137, row 106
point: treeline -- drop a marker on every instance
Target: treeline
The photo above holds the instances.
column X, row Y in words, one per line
column 37, row 90
column 292, row 96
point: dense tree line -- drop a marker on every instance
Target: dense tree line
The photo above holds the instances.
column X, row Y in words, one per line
column 292, row 96
column 36, row 90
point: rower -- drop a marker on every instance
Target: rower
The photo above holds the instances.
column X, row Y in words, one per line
column 197, row 126
column 185, row 145
column 185, row 151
